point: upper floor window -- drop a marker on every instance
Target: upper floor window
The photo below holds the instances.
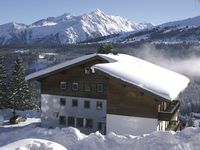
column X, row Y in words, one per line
column 99, row 105
column 62, row 101
column 74, row 103
column 75, row 86
column 87, row 70
column 100, row 87
column 87, row 104
column 63, row 85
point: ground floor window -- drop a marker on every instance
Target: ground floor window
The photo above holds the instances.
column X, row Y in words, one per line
column 79, row 122
column 100, row 126
column 62, row 120
column 71, row 121
column 88, row 123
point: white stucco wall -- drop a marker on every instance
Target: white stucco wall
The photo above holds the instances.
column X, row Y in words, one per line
column 51, row 104
column 162, row 125
column 130, row 125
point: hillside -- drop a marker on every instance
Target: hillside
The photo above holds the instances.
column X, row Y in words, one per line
column 182, row 31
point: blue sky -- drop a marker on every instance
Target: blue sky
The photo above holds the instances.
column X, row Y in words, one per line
column 154, row 11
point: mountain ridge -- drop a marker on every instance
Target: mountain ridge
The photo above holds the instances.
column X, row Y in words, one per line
column 67, row 29
column 181, row 31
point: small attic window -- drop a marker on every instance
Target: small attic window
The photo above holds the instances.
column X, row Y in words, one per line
column 100, row 87
column 87, row 70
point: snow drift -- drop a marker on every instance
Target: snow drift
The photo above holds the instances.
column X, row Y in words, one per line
column 32, row 137
column 33, row 144
column 72, row 139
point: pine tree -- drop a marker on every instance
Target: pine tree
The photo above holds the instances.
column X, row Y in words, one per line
column 3, row 85
column 21, row 95
column 105, row 49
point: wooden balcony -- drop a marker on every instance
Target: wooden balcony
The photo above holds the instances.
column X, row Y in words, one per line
column 169, row 112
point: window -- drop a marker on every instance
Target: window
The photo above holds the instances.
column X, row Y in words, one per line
column 87, row 70
column 100, row 126
column 71, row 121
column 79, row 122
column 100, row 87
column 87, row 104
column 62, row 120
column 63, row 85
column 74, row 103
column 75, row 86
column 88, row 123
column 99, row 105
column 87, row 87
column 62, row 101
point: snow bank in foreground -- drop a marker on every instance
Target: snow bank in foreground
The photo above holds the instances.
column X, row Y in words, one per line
column 33, row 144
column 72, row 139
column 7, row 113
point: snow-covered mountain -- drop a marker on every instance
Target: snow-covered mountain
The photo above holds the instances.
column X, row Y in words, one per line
column 67, row 29
column 187, row 30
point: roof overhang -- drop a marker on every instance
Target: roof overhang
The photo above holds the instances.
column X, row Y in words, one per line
column 63, row 66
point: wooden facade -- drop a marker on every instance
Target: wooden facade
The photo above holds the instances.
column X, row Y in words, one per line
column 76, row 74
column 130, row 101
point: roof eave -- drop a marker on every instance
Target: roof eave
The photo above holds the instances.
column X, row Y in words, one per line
column 34, row 75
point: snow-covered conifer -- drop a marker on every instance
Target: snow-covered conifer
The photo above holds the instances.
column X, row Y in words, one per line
column 21, row 97
column 3, row 85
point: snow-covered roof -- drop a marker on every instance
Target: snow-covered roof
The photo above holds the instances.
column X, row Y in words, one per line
column 153, row 78
column 58, row 67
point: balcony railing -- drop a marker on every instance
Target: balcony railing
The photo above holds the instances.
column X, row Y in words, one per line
column 169, row 112
column 173, row 126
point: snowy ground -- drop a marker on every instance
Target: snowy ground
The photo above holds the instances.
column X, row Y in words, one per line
column 29, row 136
